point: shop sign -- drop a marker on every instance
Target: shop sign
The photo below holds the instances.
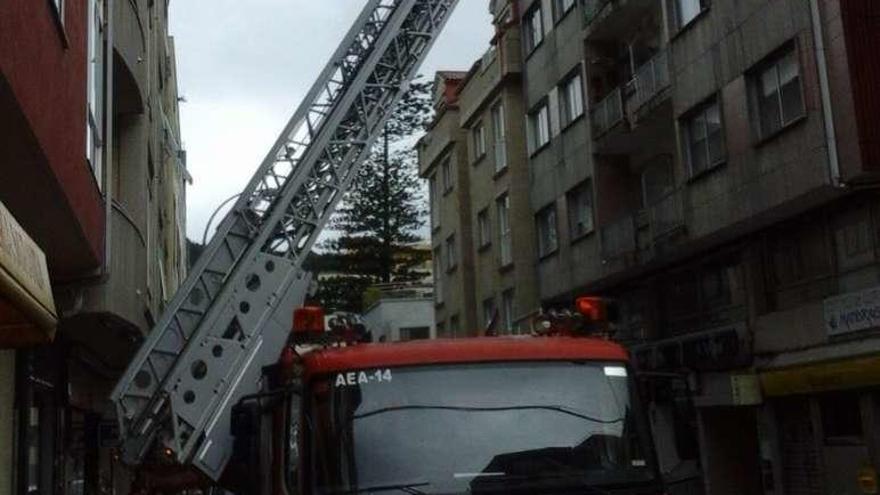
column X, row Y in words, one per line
column 720, row 348
column 745, row 389
column 852, row 312
column 24, row 277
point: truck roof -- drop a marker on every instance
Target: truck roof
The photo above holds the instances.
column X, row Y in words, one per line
column 470, row 350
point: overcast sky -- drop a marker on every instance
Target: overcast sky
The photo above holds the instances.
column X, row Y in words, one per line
column 243, row 67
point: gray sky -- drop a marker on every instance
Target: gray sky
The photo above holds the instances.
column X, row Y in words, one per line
column 243, row 67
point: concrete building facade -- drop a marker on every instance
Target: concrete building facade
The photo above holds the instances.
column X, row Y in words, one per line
column 443, row 161
column 500, row 290
column 95, row 186
column 729, row 151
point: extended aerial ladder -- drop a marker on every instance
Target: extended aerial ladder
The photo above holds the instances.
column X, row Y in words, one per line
column 233, row 314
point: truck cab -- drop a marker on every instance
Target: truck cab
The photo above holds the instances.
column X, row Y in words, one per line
column 484, row 415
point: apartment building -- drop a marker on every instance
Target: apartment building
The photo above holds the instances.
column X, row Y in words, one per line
column 730, row 156
column 443, row 161
column 496, row 228
column 92, row 211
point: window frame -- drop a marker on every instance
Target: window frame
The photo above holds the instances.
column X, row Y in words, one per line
column 561, row 11
column 499, row 136
column 677, row 23
column 437, row 267
column 447, row 175
column 451, row 257
column 686, row 124
column 534, row 126
column 488, row 308
column 478, row 142
column 484, row 229
column 583, row 187
column 755, row 85
column 564, row 89
column 542, row 219
column 95, row 65
column 532, row 42
column 435, row 199
column 507, row 310
column 505, row 231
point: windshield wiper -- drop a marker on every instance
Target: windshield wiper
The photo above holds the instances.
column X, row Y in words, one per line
column 412, row 488
column 555, row 408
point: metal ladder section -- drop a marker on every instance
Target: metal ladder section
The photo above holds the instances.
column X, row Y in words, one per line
column 233, row 313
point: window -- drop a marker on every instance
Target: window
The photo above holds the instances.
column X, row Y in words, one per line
column 777, row 93
column 95, row 93
column 572, row 99
column 562, row 7
column 435, row 202
column 580, row 209
column 505, row 237
column 478, row 136
column 438, row 275
column 485, row 226
column 703, row 138
column 548, row 241
column 498, row 134
column 685, row 11
column 539, row 127
column 415, row 333
column 448, row 178
column 507, row 310
column 451, row 254
column 454, row 327
column 59, row 9
column 799, row 253
column 533, row 22
column 488, row 312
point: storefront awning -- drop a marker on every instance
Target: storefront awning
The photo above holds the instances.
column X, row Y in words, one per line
column 835, row 367
column 27, row 309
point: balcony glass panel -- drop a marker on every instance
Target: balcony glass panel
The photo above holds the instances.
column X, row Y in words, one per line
column 607, row 113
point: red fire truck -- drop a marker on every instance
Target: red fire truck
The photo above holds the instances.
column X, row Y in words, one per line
column 531, row 414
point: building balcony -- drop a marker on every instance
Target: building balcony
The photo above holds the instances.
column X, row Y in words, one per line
column 609, row 19
column 619, row 241
column 640, row 236
column 638, row 114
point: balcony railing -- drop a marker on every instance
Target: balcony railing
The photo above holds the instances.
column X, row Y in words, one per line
column 607, row 113
column 619, row 238
column 592, row 9
column 667, row 215
column 649, row 80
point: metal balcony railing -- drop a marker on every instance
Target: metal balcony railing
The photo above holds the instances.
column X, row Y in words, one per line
column 666, row 215
column 619, row 238
column 651, row 78
column 607, row 113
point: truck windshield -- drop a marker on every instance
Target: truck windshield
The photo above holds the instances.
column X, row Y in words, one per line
column 483, row 428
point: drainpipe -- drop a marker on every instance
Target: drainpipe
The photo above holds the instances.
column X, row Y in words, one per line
column 825, row 87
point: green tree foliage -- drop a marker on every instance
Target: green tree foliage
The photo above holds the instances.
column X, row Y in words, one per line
column 379, row 220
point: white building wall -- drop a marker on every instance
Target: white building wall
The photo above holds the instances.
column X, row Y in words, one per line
column 388, row 316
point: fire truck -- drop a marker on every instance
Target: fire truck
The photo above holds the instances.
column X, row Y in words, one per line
column 235, row 389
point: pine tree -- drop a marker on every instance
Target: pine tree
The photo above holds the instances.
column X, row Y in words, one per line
column 380, row 217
